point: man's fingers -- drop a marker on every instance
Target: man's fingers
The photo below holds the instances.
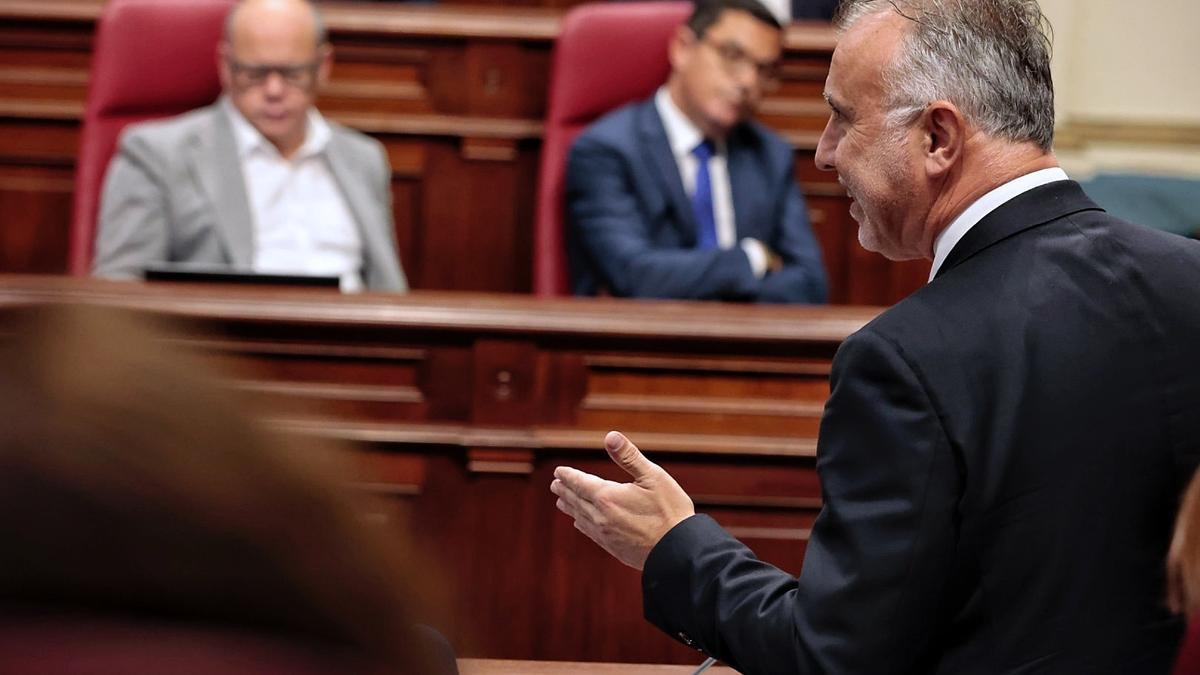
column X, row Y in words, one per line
column 628, row 457
column 581, row 483
column 575, row 505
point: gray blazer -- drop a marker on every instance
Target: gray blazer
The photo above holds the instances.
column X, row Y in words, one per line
column 174, row 193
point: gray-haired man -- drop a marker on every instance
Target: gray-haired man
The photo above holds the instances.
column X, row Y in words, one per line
column 259, row 181
column 1002, row 452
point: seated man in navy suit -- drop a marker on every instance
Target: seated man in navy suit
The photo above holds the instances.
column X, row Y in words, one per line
column 682, row 195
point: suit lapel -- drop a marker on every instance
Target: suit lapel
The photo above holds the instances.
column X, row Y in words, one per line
column 215, row 162
column 657, row 151
column 357, row 195
column 745, row 184
column 1025, row 211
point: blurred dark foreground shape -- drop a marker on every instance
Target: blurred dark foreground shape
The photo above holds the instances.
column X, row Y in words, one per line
column 151, row 525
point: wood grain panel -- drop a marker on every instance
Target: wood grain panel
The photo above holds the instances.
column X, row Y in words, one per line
column 35, row 204
column 478, row 243
column 462, row 405
column 701, row 401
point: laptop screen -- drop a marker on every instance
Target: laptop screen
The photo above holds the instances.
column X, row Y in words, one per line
column 206, row 274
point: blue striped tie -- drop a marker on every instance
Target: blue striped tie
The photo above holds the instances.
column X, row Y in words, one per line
column 702, row 199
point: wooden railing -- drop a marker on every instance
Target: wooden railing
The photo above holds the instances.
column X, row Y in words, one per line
column 461, row 406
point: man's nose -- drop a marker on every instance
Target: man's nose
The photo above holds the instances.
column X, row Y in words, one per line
column 274, row 85
column 748, row 77
column 827, row 148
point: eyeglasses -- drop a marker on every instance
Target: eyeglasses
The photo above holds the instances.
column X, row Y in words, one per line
column 736, row 61
column 299, row 75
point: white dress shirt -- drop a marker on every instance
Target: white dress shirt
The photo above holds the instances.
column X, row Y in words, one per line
column 984, row 205
column 683, row 137
column 302, row 224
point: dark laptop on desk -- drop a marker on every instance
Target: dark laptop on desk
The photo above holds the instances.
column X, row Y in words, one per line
column 219, row 274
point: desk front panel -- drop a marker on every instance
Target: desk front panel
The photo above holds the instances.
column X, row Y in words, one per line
column 460, row 406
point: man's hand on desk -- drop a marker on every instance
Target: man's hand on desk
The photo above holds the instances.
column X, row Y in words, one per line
column 774, row 262
column 625, row 519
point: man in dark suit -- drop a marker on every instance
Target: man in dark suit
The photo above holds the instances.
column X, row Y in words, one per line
column 683, row 195
column 1002, row 452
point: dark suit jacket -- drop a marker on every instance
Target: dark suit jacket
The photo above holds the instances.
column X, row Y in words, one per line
column 814, row 9
column 632, row 229
column 1000, row 459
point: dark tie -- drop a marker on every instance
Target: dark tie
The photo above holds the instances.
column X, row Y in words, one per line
column 702, row 198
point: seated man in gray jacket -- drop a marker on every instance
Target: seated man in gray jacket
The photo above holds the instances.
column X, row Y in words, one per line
column 258, row 181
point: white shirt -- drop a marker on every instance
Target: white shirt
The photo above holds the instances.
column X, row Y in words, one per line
column 302, row 224
column 984, row 205
column 782, row 9
column 683, row 136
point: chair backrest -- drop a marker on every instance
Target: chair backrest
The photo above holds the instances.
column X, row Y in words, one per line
column 1188, row 660
column 150, row 59
column 606, row 55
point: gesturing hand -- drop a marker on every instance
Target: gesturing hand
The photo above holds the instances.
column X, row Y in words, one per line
column 625, row 519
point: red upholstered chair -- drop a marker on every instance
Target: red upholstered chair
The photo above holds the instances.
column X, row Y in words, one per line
column 607, row 55
column 1188, row 661
column 151, row 59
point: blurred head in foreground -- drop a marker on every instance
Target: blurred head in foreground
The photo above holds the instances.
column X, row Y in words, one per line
column 132, row 485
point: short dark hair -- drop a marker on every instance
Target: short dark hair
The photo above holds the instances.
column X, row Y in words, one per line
column 708, row 12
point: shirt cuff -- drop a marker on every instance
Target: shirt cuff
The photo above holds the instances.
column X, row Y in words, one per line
column 756, row 252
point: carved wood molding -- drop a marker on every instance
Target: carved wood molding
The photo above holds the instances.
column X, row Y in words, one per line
column 706, row 405
column 527, row 23
column 598, row 318
column 335, row 392
column 693, row 365
column 72, row 10
column 543, row 439
column 331, row 351
column 502, row 460
column 1080, row 133
column 70, row 111
column 453, row 126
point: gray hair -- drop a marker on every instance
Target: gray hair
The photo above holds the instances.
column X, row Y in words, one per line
column 991, row 58
column 321, row 33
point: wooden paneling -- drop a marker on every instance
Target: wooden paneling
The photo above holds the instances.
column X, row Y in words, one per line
column 463, row 405
column 457, row 95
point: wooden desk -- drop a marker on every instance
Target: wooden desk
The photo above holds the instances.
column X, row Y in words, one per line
column 462, row 405
column 456, row 94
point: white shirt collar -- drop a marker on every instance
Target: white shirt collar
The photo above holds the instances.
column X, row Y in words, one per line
column 250, row 140
column 991, row 201
column 682, row 134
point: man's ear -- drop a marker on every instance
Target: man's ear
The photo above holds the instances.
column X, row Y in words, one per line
column 945, row 131
column 223, row 73
column 679, row 48
column 325, row 60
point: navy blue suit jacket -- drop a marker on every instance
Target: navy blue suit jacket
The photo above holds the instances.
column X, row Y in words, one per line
column 1001, row 458
column 633, row 232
